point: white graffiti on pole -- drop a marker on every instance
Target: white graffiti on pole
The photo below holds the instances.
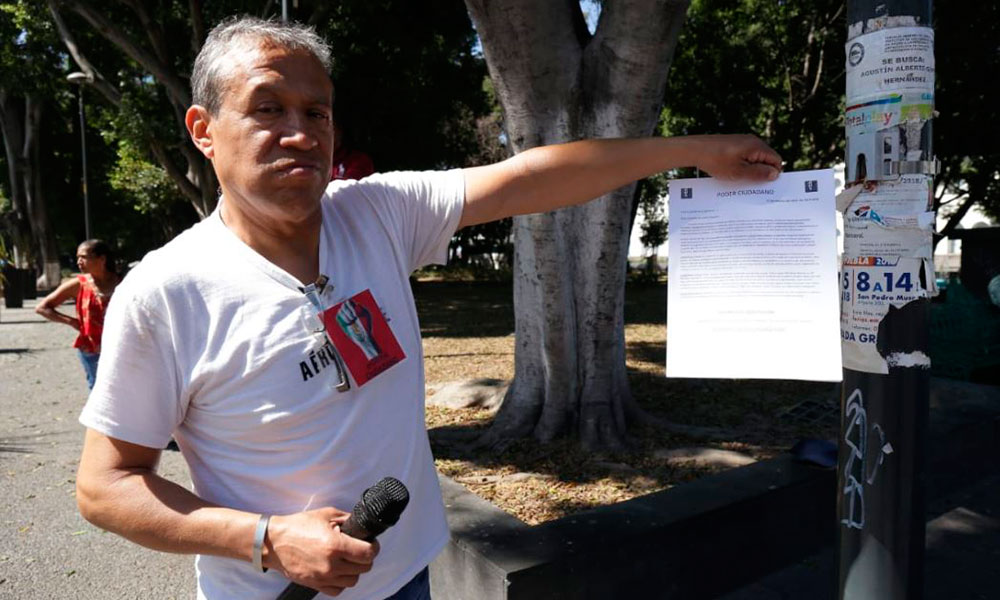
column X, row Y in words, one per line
column 856, row 435
column 854, row 438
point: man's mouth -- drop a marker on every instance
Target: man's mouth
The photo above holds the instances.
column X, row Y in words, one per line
column 296, row 167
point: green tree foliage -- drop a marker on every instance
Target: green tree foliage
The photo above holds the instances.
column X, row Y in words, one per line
column 408, row 90
column 966, row 130
column 776, row 68
column 408, row 86
column 653, row 230
column 771, row 67
column 34, row 136
column 489, row 246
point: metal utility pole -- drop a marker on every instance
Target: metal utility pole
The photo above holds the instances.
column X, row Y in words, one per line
column 887, row 278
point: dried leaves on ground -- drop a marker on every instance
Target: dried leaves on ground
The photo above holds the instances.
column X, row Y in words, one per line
column 468, row 333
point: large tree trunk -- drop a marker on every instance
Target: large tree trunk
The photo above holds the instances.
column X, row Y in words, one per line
column 558, row 83
column 20, row 120
column 12, row 127
column 47, row 258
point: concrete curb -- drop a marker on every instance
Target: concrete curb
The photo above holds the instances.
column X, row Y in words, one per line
column 699, row 539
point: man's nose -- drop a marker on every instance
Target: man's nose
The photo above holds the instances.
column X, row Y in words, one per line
column 297, row 133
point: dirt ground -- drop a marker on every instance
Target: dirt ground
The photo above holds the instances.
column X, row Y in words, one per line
column 468, row 333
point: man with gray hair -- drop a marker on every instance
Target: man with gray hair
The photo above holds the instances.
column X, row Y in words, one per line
column 282, row 418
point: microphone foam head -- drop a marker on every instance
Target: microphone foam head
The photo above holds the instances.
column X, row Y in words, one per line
column 381, row 505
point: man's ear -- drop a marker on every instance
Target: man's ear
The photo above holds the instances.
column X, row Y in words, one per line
column 197, row 121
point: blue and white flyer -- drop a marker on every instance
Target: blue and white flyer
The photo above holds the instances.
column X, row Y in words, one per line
column 753, row 285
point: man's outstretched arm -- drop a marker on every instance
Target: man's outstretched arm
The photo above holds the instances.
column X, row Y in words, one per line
column 118, row 490
column 550, row 177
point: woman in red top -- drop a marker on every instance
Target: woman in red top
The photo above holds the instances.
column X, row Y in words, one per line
column 92, row 290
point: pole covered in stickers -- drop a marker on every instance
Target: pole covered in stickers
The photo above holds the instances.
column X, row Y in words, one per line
column 887, row 278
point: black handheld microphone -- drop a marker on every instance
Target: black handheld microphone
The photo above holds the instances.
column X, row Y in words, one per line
column 378, row 510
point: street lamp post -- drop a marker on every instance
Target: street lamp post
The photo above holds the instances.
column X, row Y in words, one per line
column 82, row 79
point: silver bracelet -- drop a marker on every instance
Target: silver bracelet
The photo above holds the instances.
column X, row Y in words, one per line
column 258, row 541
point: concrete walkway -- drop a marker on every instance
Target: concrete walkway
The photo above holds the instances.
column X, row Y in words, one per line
column 46, row 549
column 961, row 561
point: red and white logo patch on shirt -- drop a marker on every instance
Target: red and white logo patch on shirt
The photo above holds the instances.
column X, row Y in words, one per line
column 362, row 336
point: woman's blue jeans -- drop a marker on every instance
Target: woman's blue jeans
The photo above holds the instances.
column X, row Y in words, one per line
column 89, row 362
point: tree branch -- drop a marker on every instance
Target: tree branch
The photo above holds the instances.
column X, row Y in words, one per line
column 938, row 196
column 267, row 9
column 834, row 19
column 957, row 216
column 819, row 76
column 197, row 25
column 152, row 29
column 977, row 184
column 176, row 88
column 808, row 53
column 190, row 191
column 628, row 47
column 542, row 64
column 155, row 34
column 97, row 80
column 156, row 147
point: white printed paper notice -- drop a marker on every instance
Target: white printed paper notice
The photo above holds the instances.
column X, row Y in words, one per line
column 752, row 289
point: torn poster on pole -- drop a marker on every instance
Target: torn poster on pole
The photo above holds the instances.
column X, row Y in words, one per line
column 888, row 224
column 890, row 220
column 869, row 286
column 890, row 96
column 753, row 279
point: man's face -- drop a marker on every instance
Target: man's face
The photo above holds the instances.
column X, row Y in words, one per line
column 272, row 139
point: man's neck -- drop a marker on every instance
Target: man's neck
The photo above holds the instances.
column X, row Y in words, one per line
column 291, row 245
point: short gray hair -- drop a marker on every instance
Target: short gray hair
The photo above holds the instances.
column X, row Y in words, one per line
column 209, row 73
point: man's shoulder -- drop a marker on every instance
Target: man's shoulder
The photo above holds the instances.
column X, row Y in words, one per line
column 178, row 263
column 400, row 184
column 187, row 244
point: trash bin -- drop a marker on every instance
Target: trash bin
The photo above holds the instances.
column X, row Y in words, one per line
column 30, row 284
column 13, row 287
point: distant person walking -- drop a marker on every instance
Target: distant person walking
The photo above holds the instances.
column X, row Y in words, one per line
column 92, row 289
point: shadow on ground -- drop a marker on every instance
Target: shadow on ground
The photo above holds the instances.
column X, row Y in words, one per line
column 746, row 416
column 750, row 413
column 28, row 444
column 481, row 309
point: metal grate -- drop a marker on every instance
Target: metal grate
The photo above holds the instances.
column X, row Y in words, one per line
column 824, row 412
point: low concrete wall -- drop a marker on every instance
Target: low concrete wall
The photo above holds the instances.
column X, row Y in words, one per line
column 696, row 540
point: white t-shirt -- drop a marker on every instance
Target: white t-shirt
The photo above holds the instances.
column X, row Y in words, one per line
column 210, row 342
